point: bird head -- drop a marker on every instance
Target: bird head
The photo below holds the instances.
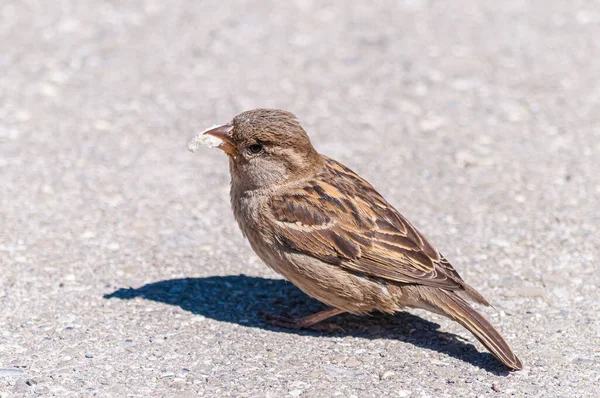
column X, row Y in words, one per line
column 266, row 147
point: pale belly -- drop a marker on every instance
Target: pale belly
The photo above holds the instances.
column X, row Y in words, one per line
column 325, row 282
column 328, row 283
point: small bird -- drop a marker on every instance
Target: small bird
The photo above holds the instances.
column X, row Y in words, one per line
column 329, row 232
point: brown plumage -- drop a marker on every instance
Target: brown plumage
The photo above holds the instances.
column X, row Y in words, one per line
column 329, row 232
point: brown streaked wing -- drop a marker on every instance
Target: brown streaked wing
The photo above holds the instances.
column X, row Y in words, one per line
column 340, row 218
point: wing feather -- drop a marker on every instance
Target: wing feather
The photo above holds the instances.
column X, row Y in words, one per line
column 340, row 218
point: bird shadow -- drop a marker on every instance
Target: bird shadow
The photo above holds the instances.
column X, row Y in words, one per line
column 240, row 299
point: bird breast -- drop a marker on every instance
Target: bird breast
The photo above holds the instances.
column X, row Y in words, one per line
column 249, row 212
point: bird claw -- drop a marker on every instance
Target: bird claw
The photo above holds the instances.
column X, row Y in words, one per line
column 327, row 327
column 281, row 321
column 287, row 322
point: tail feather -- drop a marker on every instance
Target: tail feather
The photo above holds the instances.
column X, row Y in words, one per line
column 461, row 311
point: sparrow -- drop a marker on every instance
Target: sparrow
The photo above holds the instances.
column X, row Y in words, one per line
column 329, row 232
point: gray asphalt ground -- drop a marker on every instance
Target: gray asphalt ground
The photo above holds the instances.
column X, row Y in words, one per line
column 123, row 273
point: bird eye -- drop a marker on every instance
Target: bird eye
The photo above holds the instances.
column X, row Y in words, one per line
column 255, row 148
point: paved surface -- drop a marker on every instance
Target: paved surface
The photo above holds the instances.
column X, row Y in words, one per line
column 124, row 274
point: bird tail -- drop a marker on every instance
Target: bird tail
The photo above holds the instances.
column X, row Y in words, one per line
column 459, row 310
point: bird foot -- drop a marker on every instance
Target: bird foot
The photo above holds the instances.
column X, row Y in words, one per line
column 287, row 322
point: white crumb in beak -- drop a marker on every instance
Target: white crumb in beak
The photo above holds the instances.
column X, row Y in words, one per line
column 204, row 140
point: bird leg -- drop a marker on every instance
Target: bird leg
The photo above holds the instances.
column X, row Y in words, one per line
column 307, row 322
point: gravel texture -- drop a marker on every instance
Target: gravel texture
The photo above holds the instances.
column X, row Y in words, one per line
column 123, row 272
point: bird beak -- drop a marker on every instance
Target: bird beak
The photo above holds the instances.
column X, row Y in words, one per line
column 224, row 134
